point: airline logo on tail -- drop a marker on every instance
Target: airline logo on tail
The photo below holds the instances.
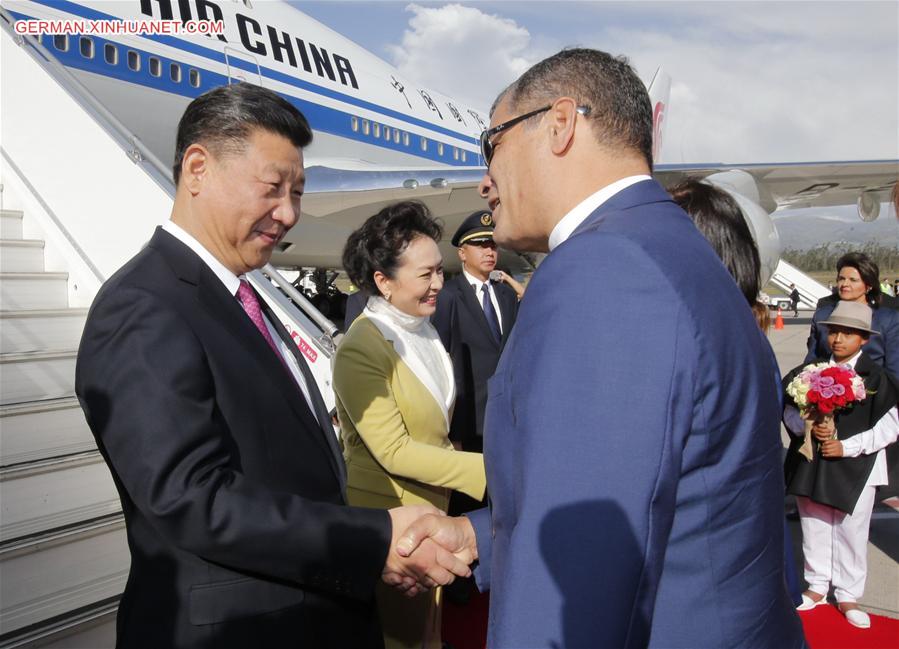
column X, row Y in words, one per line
column 658, row 117
column 659, row 89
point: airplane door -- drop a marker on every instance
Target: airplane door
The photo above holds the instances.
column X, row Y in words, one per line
column 238, row 72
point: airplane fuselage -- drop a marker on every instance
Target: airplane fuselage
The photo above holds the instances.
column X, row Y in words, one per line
column 363, row 111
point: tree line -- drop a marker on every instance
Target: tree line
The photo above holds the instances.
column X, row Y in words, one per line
column 824, row 257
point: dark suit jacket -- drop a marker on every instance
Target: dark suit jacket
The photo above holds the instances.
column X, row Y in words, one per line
column 355, row 304
column 462, row 326
column 634, row 465
column 232, row 493
column 882, row 347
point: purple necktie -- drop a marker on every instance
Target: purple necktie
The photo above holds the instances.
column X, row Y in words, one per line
column 250, row 303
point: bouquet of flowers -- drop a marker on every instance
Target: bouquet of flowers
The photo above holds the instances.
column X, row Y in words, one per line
column 821, row 389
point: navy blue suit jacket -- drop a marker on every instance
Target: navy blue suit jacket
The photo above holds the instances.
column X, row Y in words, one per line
column 633, row 449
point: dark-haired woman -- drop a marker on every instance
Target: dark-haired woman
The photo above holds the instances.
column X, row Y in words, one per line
column 720, row 220
column 395, row 392
column 858, row 280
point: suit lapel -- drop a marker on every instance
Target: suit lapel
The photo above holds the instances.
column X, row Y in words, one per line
column 227, row 311
column 321, row 410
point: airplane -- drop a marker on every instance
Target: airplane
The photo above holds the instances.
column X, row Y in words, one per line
column 379, row 137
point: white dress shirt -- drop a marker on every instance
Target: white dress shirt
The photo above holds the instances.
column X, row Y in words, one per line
column 586, row 207
column 232, row 283
column 477, row 284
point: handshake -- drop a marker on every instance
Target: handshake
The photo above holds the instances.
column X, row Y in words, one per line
column 427, row 549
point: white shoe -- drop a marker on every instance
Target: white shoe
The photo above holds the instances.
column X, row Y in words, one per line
column 858, row 618
column 808, row 603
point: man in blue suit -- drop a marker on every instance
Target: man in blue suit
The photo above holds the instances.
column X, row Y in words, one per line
column 632, row 434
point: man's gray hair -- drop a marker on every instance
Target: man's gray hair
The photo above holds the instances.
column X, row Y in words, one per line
column 620, row 109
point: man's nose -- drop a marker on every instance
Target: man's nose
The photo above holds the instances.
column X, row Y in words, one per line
column 485, row 185
column 288, row 212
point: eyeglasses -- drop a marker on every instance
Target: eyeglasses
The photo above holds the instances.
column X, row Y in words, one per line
column 487, row 147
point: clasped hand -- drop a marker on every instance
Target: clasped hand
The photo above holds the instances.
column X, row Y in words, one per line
column 427, row 549
column 824, row 429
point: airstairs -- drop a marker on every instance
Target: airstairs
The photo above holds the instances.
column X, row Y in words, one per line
column 63, row 556
column 79, row 196
column 810, row 290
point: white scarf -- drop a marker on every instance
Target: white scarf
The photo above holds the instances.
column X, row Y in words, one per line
column 418, row 346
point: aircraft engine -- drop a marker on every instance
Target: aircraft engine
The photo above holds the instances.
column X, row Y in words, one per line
column 868, row 206
column 742, row 187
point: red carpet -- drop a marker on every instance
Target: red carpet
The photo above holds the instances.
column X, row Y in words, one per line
column 465, row 627
column 826, row 628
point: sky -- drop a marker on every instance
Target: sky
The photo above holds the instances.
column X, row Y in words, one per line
column 751, row 81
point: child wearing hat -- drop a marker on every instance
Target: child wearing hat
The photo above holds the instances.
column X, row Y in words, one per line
column 855, row 453
column 835, row 491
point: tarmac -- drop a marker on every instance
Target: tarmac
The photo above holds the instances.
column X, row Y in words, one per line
column 882, row 587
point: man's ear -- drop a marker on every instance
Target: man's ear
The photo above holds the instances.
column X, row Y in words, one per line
column 562, row 118
column 461, row 253
column 195, row 166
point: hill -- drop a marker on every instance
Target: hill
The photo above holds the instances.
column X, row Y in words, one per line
column 805, row 231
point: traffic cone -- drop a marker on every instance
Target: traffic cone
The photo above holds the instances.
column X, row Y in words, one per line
column 779, row 320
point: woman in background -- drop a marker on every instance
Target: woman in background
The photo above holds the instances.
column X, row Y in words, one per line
column 858, row 280
column 395, row 391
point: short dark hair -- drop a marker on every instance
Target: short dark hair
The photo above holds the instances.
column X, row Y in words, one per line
column 868, row 270
column 223, row 118
column 379, row 242
column 721, row 221
column 620, row 109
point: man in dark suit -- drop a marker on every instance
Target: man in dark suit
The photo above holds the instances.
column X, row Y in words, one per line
column 474, row 318
column 632, row 436
column 220, row 445
column 355, row 304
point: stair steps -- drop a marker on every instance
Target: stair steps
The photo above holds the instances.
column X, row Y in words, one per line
column 10, row 224
column 36, row 329
column 59, row 572
column 26, row 290
column 63, row 550
column 34, row 376
column 20, row 255
column 50, row 494
column 43, row 429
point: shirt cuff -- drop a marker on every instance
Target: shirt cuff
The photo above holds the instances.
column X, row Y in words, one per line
column 852, row 447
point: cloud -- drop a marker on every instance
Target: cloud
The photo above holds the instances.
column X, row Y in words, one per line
column 770, row 82
column 752, row 82
column 463, row 52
